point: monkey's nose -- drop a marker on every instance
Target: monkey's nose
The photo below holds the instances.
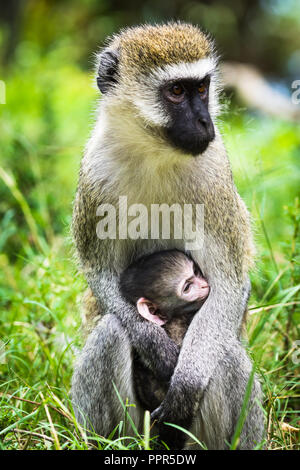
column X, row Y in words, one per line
column 204, row 291
column 203, row 121
column 203, row 288
column 204, row 124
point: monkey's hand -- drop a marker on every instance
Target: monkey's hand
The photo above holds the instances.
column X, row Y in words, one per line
column 156, row 349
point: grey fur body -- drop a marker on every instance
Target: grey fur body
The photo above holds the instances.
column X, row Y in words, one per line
column 127, row 155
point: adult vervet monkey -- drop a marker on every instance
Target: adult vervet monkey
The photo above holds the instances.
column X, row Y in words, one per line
column 156, row 142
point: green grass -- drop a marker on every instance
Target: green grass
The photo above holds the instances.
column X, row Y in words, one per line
column 43, row 128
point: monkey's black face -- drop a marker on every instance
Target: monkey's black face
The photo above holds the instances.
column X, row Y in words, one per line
column 191, row 128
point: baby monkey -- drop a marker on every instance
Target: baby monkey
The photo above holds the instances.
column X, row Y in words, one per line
column 167, row 288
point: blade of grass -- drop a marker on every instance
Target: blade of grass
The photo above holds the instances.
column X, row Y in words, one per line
column 53, row 430
column 243, row 413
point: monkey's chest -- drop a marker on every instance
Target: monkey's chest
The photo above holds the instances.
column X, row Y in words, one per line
column 143, row 215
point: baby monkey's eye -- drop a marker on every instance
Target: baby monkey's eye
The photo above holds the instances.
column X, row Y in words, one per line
column 187, row 287
column 177, row 89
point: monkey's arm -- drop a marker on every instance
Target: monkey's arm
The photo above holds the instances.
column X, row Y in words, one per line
column 223, row 400
column 104, row 362
column 157, row 350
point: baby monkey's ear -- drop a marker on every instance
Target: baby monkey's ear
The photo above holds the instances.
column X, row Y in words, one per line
column 147, row 310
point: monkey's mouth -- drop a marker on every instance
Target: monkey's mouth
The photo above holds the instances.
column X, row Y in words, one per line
column 193, row 140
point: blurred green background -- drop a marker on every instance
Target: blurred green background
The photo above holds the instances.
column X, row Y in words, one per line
column 46, row 63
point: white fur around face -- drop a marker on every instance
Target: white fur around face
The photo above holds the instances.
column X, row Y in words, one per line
column 196, row 70
column 147, row 99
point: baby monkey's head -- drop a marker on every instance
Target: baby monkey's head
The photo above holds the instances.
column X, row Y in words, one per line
column 164, row 285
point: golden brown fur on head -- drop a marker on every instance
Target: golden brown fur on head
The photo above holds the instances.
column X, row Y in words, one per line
column 148, row 46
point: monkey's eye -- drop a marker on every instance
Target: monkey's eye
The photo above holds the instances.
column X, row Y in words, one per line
column 202, row 88
column 177, row 89
column 174, row 93
column 187, row 287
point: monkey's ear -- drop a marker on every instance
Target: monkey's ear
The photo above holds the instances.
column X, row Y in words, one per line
column 145, row 309
column 107, row 69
